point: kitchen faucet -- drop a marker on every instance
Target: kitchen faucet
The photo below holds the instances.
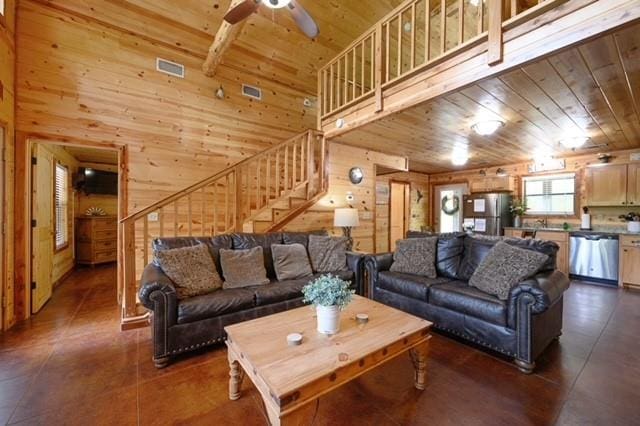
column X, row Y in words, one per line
column 543, row 222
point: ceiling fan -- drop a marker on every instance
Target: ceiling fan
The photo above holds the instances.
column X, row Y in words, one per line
column 302, row 18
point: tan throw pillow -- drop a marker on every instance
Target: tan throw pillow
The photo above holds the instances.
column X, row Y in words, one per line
column 504, row 267
column 243, row 268
column 290, row 261
column 416, row 256
column 328, row 254
column 191, row 269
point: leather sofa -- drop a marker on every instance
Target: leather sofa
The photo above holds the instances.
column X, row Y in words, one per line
column 520, row 327
column 180, row 326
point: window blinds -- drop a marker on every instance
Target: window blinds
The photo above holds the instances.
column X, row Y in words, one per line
column 62, row 205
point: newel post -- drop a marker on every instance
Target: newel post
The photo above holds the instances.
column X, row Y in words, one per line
column 494, row 55
column 129, row 266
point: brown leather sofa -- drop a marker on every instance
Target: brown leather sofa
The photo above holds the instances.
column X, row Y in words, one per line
column 180, row 326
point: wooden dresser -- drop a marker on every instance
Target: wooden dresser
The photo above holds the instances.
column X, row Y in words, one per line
column 96, row 239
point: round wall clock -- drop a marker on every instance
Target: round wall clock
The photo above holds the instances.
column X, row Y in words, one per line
column 356, row 175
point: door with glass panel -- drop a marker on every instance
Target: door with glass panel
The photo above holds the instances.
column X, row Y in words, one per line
column 448, row 206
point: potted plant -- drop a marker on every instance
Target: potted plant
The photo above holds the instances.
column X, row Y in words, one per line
column 329, row 294
column 633, row 221
column 518, row 208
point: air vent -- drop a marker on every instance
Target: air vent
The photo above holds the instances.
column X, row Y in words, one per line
column 252, row 92
column 171, row 68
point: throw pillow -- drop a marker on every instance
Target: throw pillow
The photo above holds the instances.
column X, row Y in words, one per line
column 191, row 269
column 243, row 268
column 504, row 267
column 328, row 254
column 416, row 256
column 290, row 261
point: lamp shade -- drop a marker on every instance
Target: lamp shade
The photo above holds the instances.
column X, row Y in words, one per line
column 346, row 217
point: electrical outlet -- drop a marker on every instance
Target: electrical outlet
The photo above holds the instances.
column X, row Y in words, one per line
column 366, row 215
column 153, row 217
column 635, row 156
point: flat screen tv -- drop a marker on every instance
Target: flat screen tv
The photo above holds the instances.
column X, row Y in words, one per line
column 92, row 181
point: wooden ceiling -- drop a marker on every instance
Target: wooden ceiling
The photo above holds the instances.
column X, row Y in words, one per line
column 591, row 90
column 95, row 156
column 270, row 45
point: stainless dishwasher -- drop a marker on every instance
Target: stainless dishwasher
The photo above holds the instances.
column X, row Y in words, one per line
column 594, row 257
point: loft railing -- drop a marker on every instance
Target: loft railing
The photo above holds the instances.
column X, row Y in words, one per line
column 413, row 37
column 220, row 204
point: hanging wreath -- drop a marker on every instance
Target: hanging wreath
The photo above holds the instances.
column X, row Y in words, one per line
column 450, row 204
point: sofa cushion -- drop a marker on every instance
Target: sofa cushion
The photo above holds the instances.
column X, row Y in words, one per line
column 291, row 261
column 248, row 241
column 278, row 291
column 409, row 285
column 191, row 269
column 504, row 267
column 300, row 237
column 541, row 246
column 458, row 296
column 328, row 254
column 243, row 268
column 214, row 244
column 449, row 253
column 215, row 304
column 416, row 256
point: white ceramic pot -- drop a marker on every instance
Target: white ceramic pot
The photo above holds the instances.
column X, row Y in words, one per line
column 328, row 319
column 633, row 227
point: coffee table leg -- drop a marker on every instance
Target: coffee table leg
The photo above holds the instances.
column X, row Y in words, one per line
column 419, row 358
column 235, row 378
column 302, row 416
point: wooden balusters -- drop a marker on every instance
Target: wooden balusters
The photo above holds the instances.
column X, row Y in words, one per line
column 189, row 214
column 145, row 240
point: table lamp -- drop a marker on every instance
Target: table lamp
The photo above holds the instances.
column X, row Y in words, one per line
column 346, row 219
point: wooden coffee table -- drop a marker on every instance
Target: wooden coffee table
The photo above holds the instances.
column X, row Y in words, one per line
column 291, row 378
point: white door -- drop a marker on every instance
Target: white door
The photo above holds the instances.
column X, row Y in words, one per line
column 449, row 207
column 42, row 234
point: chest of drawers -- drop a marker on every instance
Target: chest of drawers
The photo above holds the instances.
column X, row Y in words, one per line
column 96, row 239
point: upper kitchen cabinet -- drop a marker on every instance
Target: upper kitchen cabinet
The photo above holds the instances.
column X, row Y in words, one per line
column 613, row 185
column 493, row 184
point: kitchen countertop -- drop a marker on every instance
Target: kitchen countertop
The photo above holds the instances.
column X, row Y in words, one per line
column 601, row 230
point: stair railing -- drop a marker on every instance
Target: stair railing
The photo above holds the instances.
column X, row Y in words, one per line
column 217, row 205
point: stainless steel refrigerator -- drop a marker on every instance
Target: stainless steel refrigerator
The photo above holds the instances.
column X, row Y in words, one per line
column 488, row 213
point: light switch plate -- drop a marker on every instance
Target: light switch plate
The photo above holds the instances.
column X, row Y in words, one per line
column 366, row 215
column 152, row 217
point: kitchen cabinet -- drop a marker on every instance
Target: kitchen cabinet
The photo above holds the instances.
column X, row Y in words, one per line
column 493, row 184
column 613, row 185
column 630, row 261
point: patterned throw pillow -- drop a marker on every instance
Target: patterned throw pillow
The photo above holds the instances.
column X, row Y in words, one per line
column 290, row 261
column 416, row 256
column 191, row 269
column 243, row 268
column 328, row 254
column 504, row 267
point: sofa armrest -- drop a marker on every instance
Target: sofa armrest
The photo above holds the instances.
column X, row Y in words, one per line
column 540, row 291
column 374, row 263
column 355, row 263
column 157, row 290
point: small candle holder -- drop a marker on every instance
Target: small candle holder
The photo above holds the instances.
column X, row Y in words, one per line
column 362, row 318
column 294, row 339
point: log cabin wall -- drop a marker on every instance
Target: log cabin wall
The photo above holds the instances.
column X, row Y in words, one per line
column 91, row 80
column 340, row 160
column 419, row 218
column 600, row 216
column 7, row 122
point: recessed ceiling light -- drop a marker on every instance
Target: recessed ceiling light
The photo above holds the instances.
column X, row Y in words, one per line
column 276, row 4
column 459, row 156
column 574, row 142
column 487, row 127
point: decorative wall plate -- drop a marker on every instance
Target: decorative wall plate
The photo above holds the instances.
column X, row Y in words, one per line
column 356, row 175
column 95, row 211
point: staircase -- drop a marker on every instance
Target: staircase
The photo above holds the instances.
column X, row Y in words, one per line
column 260, row 194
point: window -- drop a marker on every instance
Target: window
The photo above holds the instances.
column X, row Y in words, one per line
column 551, row 194
column 62, row 206
column 3, row 12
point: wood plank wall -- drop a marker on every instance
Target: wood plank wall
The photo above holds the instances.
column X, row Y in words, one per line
column 418, row 211
column 341, row 159
column 85, row 79
column 7, row 120
column 600, row 216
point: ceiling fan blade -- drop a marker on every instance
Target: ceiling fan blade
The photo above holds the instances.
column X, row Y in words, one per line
column 305, row 22
column 241, row 11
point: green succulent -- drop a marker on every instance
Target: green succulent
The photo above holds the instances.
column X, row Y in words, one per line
column 328, row 290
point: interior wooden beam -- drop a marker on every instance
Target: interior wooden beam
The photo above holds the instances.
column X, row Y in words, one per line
column 226, row 35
